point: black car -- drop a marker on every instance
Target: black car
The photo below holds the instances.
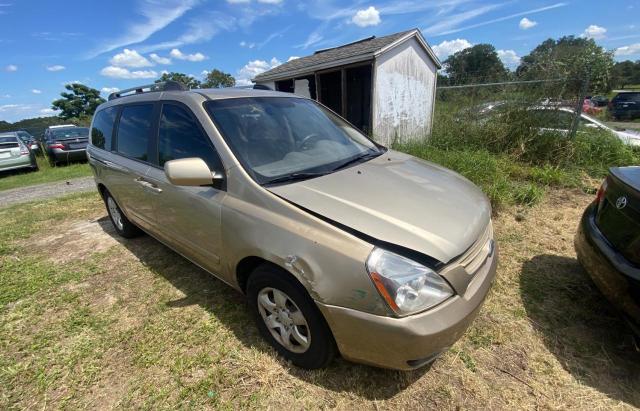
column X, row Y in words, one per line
column 66, row 144
column 608, row 241
column 625, row 105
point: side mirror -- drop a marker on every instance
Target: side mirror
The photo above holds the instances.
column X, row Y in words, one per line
column 191, row 171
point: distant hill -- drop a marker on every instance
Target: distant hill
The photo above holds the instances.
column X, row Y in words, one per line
column 34, row 126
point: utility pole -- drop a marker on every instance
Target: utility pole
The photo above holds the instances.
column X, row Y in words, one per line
column 583, row 93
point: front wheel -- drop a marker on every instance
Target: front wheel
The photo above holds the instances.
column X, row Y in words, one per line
column 288, row 318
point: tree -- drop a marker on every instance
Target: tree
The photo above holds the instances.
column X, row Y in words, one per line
column 477, row 64
column 625, row 73
column 218, row 79
column 79, row 104
column 185, row 79
column 575, row 59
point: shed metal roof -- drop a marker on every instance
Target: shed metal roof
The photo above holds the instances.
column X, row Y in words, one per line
column 345, row 54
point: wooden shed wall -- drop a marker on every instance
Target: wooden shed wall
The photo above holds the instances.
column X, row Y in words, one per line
column 404, row 93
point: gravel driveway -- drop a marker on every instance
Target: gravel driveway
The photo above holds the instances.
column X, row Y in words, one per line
column 46, row 190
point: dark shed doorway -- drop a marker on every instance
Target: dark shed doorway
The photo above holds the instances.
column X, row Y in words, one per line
column 348, row 92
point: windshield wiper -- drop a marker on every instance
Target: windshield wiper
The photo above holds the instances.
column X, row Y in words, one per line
column 359, row 159
column 294, row 177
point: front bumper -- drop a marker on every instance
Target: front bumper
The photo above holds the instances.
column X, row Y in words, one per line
column 409, row 342
column 617, row 278
column 69, row 155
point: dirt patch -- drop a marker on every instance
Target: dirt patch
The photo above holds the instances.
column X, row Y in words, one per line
column 77, row 241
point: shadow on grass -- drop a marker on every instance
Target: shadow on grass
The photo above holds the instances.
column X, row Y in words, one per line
column 579, row 326
column 229, row 306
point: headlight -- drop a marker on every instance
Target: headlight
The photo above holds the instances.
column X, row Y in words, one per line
column 407, row 286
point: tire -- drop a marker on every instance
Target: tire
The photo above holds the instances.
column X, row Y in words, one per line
column 121, row 223
column 301, row 316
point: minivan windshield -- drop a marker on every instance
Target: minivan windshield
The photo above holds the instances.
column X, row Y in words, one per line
column 283, row 139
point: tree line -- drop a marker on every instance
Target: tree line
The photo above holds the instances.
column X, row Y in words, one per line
column 576, row 60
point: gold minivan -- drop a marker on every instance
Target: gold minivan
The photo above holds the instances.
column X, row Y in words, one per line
column 342, row 246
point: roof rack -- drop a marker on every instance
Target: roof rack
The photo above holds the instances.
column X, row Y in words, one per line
column 168, row 85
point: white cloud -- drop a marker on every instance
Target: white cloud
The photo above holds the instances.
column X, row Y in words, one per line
column 177, row 54
column 130, row 58
column 56, row 67
column 594, row 32
column 247, row 45
column 270, row 1
column 292, row 58
column 47, row 111
column 201, row 28
column 109, row 90
column 629, row 50
column 157, row 15
column 36, row 91
column 526, row 24
column 448, row 47
column 238, row 1
column 509, row 58
column 253, row 68
column 11, row 68
column 451, row 25
column 159, row 59
column 366, row 17
column 121, row 72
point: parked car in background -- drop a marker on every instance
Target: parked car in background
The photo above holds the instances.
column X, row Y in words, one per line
column 608, row 241
column 14, row 154
column 625, row 105
column 29, row 140
column 339, row 244
column 599, row 101
column 560, row 119
column 589, row 107
column 49, row 129
column 66, row 144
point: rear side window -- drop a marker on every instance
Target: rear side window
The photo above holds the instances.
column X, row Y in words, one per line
column 134, row 130
column 102, row 129
column 181, row 137
column 628, row 97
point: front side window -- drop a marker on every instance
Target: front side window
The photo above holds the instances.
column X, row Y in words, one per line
column 179, row 136
column 102, row 128
column 134, row 130
column 276, row 138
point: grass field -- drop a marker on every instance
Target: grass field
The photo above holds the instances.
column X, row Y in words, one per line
column 46, row 174
column 93, row 321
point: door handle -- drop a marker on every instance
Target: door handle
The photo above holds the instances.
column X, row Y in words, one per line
column 149, row 186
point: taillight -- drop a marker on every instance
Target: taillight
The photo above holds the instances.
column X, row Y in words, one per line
column 601, row 193
column 56, row 145
column 24, row 151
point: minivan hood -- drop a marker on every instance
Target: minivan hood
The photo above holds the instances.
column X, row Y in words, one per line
column 399, row 199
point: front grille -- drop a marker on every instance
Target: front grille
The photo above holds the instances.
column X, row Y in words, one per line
column 477, row 254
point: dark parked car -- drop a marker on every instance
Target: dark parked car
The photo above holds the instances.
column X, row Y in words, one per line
column 608, row 241
column 625, row 105
column 599, row 101
column 66, row 144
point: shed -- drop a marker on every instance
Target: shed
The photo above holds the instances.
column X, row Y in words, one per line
column 385, row 86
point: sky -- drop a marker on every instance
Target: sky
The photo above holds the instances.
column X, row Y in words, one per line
column 116, row 44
